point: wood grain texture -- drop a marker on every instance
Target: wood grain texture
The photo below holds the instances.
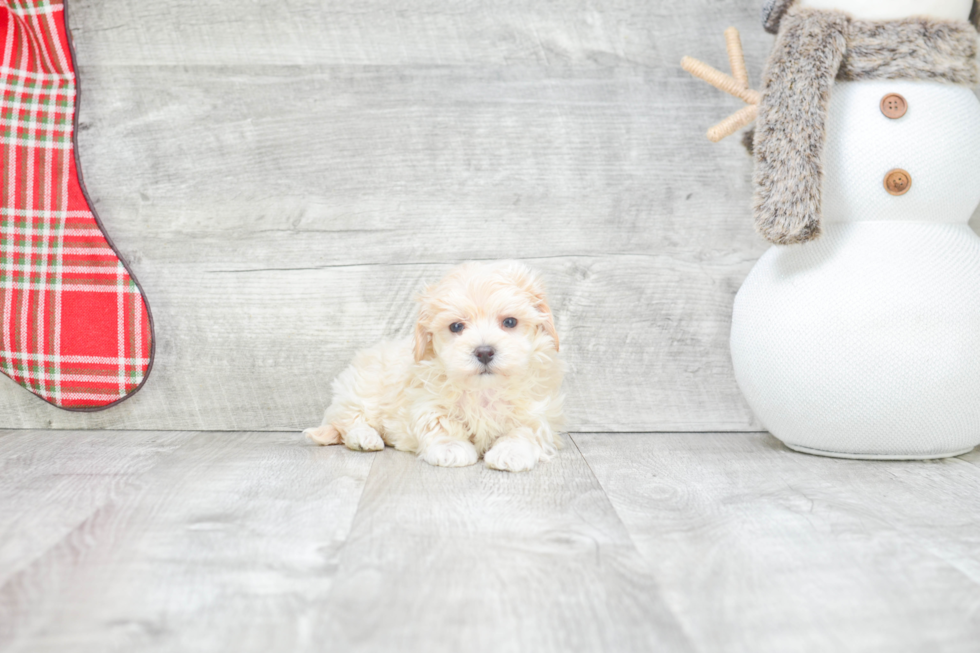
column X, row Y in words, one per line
column 412, row 32
column 478, row 560
column 191, row 542
column 280, row 217
column 283, row 181
column 50, row 490
column 973, row 457
column 168, row 541
column 249, row 542
column 759, row 548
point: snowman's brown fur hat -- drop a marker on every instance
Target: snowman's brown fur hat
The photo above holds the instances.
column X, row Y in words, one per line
column 773, row 11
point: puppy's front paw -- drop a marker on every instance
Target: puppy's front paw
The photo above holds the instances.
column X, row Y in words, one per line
column 362, row 437
column 512, row 455
column 451, row 453
column 325, row 435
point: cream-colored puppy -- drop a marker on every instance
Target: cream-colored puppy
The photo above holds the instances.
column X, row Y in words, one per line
column 481, row 376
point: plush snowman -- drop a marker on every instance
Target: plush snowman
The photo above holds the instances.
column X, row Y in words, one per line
column 858, row 333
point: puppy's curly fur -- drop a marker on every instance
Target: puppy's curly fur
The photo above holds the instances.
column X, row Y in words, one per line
column 438, row 395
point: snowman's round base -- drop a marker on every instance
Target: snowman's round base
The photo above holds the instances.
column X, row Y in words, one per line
column 864, row 342
column 874, row 456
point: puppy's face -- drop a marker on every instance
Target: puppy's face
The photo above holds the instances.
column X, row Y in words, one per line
column 485, row 321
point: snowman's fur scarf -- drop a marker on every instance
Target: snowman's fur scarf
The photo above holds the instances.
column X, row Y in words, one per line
column 813, row 48
column 429, row 395
column 789, row 133
column 913, row 48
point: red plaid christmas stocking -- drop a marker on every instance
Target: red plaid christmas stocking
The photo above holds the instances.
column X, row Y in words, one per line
column 75, row 326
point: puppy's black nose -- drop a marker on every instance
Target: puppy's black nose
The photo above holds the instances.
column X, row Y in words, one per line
column 484, row 354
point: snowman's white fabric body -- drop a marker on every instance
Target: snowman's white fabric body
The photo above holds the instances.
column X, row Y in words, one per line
column 865, row 342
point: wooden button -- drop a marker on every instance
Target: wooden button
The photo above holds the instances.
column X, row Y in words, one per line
column 898, row 182
column 894, row 106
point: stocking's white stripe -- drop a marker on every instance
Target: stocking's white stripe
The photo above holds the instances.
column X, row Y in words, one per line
column 36, row 10
column 19, row 72
column 95, row 360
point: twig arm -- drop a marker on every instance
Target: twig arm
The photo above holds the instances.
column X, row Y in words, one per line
column 736, row 57
column 720, row 80
column 733, row 123
column 736, row 84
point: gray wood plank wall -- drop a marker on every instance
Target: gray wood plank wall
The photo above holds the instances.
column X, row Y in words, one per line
column 284, row 177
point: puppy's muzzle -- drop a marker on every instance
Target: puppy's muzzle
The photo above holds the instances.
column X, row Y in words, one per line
column 484, row 354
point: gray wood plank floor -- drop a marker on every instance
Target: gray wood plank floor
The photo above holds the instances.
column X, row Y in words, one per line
column 257, row 541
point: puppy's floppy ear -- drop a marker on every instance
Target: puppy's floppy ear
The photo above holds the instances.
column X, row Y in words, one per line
column 422, row 335
column 529, row 281
column 549, row 321
column 422, row 339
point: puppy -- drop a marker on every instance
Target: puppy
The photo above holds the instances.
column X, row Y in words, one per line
column 481, row 376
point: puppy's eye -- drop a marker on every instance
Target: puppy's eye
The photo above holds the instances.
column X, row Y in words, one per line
column 510, row 322
column 456, row 327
